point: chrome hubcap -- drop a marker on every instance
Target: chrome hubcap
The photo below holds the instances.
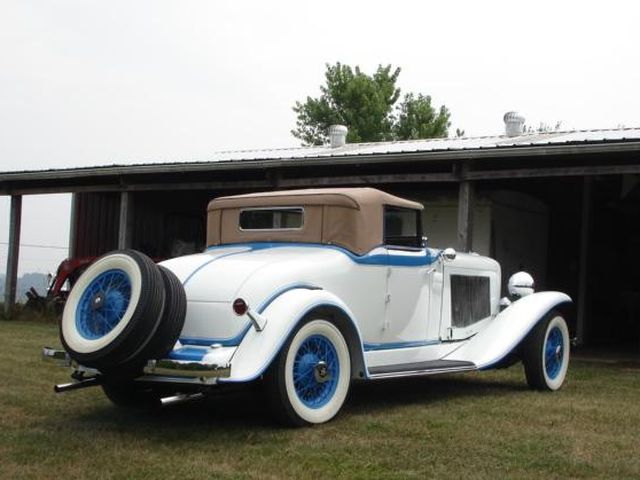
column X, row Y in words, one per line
column 103, row 304
column 321, row 372
column 98, row 301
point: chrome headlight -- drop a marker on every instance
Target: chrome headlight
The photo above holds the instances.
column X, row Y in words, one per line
column 520, row 285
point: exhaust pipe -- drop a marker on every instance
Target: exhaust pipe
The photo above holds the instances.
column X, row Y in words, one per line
column 181, row 398
column 84, row 383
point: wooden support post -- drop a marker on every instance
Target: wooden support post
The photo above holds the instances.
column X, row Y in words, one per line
column 11, row 279
column 466, row 202
column 583, row 265
column 73, row 226
column 126, row 217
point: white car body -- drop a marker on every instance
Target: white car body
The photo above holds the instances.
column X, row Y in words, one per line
column 399, row 303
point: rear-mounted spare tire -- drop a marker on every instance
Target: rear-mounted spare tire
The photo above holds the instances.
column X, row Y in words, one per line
column 113, row 313
column 175, row 310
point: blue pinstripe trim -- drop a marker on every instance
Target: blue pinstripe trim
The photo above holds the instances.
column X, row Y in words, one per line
column 188, row 354
column 209, row 262
column 234, row 341
column 423, row 257
column 286, row 336
column 225, row 342
column 369, row 347
column 282, row 290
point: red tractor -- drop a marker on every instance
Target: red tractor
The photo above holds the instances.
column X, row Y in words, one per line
column 66, row 276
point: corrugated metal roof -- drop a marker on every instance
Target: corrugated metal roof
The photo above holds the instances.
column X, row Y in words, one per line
column 431, row 145
column 381, row 149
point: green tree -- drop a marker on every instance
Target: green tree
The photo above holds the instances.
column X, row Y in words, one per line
column 418, row 119
column 367, row 105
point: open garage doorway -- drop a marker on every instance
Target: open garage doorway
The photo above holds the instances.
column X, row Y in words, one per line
column 613, row 284
column 611, row 267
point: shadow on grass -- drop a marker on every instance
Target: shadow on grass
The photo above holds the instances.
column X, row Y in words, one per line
column 235, row 413
column 236, row 409
column 373, row 396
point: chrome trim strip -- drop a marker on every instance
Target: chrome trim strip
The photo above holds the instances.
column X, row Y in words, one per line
column 176, row 380
column 172, row 368
column 419, row 373
column 376, row 347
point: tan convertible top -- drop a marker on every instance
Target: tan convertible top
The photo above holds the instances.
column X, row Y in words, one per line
column 349, row 217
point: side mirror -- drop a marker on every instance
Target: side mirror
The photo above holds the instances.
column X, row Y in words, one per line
column 449, row 253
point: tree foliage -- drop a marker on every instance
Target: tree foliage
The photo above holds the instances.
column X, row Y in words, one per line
column 367, row 105
column 418, row 119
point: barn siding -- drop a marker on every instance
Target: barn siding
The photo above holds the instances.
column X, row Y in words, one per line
column 96, row 223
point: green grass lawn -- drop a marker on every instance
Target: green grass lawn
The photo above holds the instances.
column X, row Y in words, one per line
column 479, row 425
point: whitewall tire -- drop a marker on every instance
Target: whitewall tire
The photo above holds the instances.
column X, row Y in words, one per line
column 113, row 311
column 546, row 353
column 309, row 380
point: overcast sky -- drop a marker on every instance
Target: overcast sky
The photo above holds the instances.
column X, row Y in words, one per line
column 95, row 82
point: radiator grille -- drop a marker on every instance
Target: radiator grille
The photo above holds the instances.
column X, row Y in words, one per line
column 469, row 300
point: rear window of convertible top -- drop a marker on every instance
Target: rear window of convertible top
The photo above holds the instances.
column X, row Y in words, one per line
column 279, row 218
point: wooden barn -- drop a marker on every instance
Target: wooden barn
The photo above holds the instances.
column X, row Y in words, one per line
column 563, row 205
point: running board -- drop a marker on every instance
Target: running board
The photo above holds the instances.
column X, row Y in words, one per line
column 432, row 367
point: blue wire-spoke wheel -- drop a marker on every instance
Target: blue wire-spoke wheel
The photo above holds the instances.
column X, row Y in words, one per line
column 553, row 353
column 103, row 304
column 109, row 314
column 115, row 318
column 317, row 372
column 546, row 353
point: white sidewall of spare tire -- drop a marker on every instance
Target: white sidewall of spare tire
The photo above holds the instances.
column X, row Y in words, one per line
column 328, row 411
column 70, row 332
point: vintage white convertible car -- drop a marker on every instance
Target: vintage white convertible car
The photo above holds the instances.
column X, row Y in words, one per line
column 305, row 291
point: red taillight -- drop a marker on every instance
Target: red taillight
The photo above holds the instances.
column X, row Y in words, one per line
column 240, row 307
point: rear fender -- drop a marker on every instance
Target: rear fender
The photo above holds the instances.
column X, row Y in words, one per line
column 258, row 349
column 508, row 329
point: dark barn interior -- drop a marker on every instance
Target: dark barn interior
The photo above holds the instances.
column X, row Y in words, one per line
column 613, row 282
column 162, row 224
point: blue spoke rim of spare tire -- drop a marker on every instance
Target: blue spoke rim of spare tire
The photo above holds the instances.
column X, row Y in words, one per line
column 103, row 304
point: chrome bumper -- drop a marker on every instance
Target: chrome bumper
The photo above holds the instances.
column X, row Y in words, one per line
column 59, row 357
column 161, row 368
column 173, row 368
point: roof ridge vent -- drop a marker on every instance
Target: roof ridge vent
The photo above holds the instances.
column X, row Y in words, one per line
column 513, row 124
column 338, row 136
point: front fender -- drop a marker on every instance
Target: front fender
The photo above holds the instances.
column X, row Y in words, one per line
column 258, row 349
column 508, row 329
